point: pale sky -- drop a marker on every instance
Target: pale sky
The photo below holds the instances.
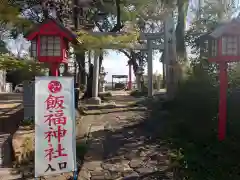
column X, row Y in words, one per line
column 116, row 64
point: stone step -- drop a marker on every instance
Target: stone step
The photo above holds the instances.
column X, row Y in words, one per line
column 9, row 174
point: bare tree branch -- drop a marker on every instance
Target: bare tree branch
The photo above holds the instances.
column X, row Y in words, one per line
column 119, row 25
column 125, row 53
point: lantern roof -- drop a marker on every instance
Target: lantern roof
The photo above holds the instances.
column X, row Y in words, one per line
column 50, row 26
column 228, row 28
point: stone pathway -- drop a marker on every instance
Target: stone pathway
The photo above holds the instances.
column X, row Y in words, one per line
column 121, row 148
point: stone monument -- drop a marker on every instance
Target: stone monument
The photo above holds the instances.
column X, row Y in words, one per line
column 102, row 80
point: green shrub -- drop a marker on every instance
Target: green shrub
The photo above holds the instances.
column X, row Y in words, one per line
column 81, row 149
column 191, row 128
column 27, row 122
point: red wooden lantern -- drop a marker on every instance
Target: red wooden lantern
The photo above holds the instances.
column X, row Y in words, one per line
column 222, row 46
column 49, row 43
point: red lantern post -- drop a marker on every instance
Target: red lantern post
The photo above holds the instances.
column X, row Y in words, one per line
column 223, row 47
column 222, row 101
column 49, row 43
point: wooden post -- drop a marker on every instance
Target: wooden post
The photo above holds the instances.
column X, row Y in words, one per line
column 222, row 101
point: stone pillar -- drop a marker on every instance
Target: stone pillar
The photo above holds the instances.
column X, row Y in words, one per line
column 138, row 82
column 150, row 68
column 130, row 77
column 86, row 79
column 164, row 75
column 95, row 99
column 95, row 75
column 101, row 83
column 158, row 77
column 101, row 87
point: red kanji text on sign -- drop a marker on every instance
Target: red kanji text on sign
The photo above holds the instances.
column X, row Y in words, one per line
column 54, row 102
column 51, row 153
column 57, row 134
column 56, row 118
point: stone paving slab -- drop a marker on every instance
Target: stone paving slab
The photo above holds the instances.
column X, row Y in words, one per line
column 120, row 148
column 8, row 106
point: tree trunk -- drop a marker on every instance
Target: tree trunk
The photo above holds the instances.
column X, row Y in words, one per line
column 80, row 59
column 88, row 92
column 100, row 60
column 83, row 70
column 133, row 61
column 180, row 29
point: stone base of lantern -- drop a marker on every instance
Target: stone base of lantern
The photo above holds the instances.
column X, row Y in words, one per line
column 102, row 88
column 94, row 100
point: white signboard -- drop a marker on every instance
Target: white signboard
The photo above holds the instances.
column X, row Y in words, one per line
column 55, row 139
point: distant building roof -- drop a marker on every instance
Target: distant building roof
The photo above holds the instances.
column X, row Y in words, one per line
column 119, row 76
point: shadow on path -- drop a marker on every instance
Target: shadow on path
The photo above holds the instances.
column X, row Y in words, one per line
column 126, row 149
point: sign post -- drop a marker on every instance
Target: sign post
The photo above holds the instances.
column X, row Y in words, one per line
column 28, row 100
column 55, row 139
